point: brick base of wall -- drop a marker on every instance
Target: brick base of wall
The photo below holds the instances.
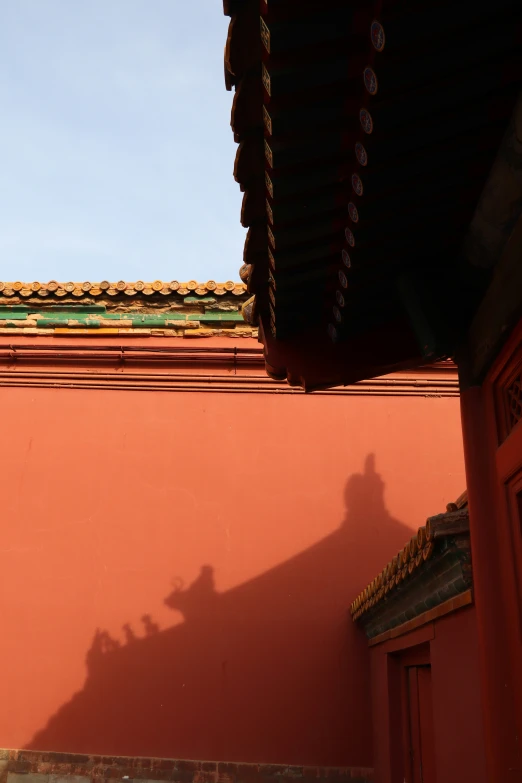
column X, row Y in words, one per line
column 27, row 766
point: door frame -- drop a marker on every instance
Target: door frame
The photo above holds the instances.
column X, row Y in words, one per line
column 401, row 662
column 493, row 456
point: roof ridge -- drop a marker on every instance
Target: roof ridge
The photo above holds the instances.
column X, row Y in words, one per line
column 88, row 288
column 415, row 552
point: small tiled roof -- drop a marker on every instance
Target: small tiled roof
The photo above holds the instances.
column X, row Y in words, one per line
column 414, row 553
column 87, row 289
column 129, row 309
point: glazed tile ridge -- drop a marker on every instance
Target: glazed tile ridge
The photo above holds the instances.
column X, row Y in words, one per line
column 54, row 288
column 411, row 557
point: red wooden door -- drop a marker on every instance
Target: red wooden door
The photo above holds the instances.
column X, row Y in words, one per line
column 420, row 714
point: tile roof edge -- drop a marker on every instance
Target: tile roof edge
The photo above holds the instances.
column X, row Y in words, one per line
column 121, row 287
column 455, row 521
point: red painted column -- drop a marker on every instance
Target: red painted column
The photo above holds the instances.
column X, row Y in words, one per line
column 488, row 544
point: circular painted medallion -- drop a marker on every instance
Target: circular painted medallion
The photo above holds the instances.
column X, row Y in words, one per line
column 347, row 261
column 332, row 332
column 377, row 36
column 361, row 154
column 366, row 121
column 342, row 278
column 352, row 211
column 370, row 80
column 337, row 314
column 349, row 237
column 339, row 298
column 357, row 184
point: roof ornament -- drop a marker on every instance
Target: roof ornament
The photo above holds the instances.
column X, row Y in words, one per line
column 248, row 311
column 357, row 184
column 366, row 121
column 370, row 81
column 361, row 154
column 377, row 35
column 333, row 333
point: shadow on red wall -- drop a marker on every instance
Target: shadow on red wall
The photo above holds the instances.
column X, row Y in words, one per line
column 270, row 671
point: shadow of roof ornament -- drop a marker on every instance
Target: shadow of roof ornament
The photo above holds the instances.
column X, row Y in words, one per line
column 150, row 626
column 102, row 644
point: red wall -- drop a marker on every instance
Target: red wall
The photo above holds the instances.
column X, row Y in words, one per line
column 457, row 713
column 242, row 526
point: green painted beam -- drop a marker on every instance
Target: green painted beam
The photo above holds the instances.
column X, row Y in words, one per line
column 89, row 319
column 215, row 317
column 13, row 315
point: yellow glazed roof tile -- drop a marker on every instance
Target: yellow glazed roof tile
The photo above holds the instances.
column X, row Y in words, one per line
column 89, row 289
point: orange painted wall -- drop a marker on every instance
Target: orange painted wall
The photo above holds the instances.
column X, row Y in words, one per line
column 215, row 541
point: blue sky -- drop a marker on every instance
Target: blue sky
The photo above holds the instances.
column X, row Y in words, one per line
column 115, row 143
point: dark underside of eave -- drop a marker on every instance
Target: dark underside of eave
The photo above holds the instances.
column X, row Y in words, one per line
column 448, row 77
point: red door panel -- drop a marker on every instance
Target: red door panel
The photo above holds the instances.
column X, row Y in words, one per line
column 415, row 729
column 426, row 724
column 421, row 754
